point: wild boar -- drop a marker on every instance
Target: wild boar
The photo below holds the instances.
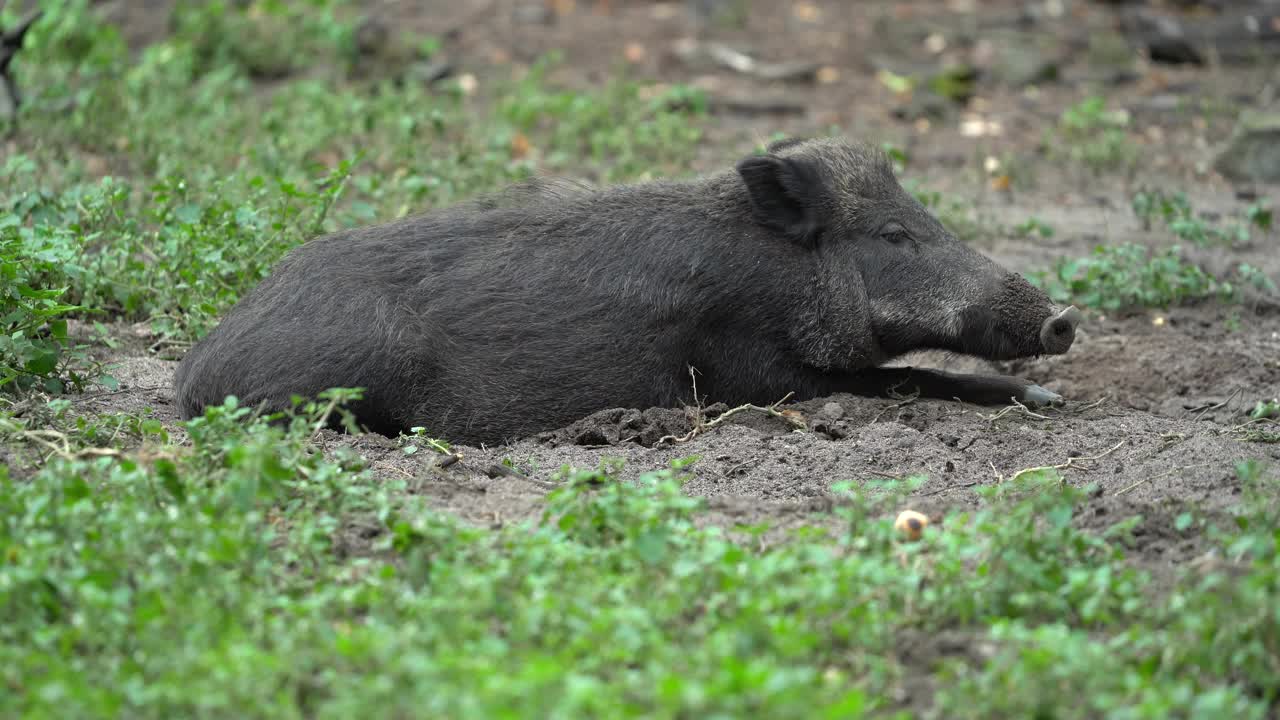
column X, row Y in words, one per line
column 803, row 269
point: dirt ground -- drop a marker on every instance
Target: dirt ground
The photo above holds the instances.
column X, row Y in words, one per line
column 1156, row 399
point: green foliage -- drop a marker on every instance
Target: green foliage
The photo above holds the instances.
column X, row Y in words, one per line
column 1175, row 211
column 1266, row 409
column 224, row 178
column 248, row 574
column 955, row 214
column 243, row 568
column 265, row 39
column 621, row 131
column 33, row 326
column 1091, row 134
column 1125, row 276
column 1033, row 226
column 1059, row 672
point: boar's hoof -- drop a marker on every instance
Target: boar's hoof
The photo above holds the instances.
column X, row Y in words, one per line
column 1036, row 396
column 1059, row 331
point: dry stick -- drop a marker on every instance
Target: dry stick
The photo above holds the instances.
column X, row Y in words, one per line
column 1090, row 406
column 1230, row 397
column 62, row 448
column 896, row 406
column 1244, row 426
column 1016, row 406
column 699, row 428
column 1070, row 463
column 1149, row 478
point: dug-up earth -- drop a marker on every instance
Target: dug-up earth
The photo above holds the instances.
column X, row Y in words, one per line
column 1158, row 401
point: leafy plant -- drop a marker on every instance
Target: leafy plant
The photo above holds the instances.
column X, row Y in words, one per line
column 1175, row 211
column 1094, row 135
column 1116, row 277
column 1033, row 226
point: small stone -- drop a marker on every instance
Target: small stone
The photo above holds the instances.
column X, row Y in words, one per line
column 1253, row 153
column 833, row 411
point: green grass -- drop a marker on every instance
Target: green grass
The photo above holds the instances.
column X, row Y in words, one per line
column 231, row 567
column 221, row 177
column 245, row 574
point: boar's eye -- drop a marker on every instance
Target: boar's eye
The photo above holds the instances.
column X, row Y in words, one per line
column 895, row 233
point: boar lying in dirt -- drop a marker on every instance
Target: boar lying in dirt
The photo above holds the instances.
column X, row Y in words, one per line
column 802, row 270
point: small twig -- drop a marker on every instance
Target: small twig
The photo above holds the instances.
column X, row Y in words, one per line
column 1204, row 410
column 1090, row 406
column 62, row 446
column 1149, row 478
column 1027, row 412
column 1015, row 407
column 896, row 406
column 169, row 342
column 107, row 393
column 1070, row 463
column 771, row 411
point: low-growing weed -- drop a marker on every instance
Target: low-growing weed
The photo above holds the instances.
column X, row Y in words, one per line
column 1175, row 211
column 1116, row 277
column 1266, row 409
column 1033, row 226
column 239, row 571
column 198, row 223
column 1092, row 134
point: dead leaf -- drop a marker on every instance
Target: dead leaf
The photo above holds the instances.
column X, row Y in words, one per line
column 806, row 11
column 634, row 52
column 520, row 146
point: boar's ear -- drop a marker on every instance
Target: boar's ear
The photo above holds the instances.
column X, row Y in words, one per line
column 785, row 194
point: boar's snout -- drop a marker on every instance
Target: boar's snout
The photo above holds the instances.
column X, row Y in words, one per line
column 1059, row 331
column 1019, row 321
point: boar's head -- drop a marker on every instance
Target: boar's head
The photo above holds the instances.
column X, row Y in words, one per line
column 915, row 285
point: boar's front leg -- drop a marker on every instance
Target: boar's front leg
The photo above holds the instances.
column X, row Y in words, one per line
column 929, row 383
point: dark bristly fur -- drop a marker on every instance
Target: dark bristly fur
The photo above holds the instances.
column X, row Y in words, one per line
column 801, row 271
